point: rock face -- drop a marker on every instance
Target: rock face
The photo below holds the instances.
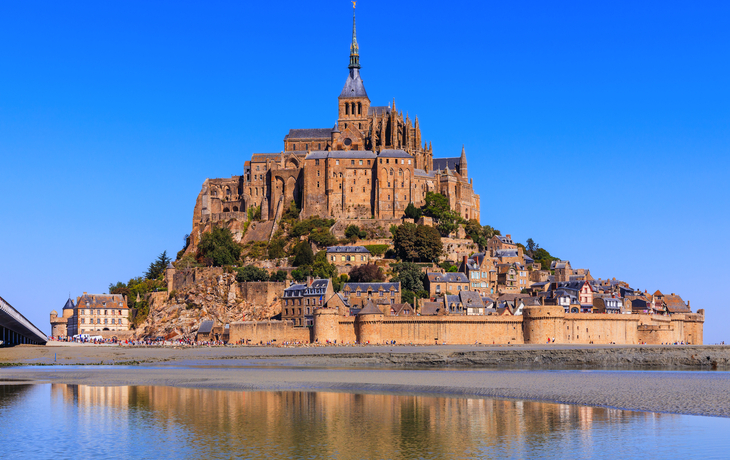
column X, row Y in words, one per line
column 218, row 297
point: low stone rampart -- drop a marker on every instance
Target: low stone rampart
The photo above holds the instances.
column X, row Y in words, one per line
column 275, row 332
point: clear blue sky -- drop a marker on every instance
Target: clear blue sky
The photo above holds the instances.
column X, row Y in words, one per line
column 599, row 129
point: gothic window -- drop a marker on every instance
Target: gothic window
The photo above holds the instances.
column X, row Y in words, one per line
column 391, row 172
column 319, row 147
column 353, row 108
column 363, row 189
column 400, row 172
column 347, row 108
column 293, row 147
column 306, row 146
column 350, row 189
column 316, row 163
column 317, row 184
column 340, row 175
column 359, row 109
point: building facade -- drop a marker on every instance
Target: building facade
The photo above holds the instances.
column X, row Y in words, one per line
column 371, row 164
column 91, row 313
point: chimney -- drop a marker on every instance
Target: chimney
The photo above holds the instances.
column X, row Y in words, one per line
column 465, row 259
column 309, row 281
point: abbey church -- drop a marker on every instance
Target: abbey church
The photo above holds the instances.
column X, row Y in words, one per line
column 370, row 165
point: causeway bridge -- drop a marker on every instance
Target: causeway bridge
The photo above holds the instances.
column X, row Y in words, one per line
column 16, row 330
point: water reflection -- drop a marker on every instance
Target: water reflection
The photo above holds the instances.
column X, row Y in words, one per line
column 186, row 422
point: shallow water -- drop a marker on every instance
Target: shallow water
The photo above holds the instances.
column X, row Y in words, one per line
column 78, row 421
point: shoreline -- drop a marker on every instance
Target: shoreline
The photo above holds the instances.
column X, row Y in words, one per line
column 597, row 376
column 676, row 392
column 633, row 357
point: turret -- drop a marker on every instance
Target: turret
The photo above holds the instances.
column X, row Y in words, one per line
column 326, row 325
column 543, row 322
column 462, row 163
column 170, row 277
column 353, row 101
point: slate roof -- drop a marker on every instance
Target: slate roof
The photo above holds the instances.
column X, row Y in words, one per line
column 354, row 86
column 443, row 163
column 506, row 253
column 558, row 264
column 452, row 299
column 264, row 155
column 391, row 153
column 347, row 249
column 98, row 298
column 205, row 327
column 401, row 308
column 431, row 308
column 471, row 299
column 313, row 133
column 505, row 239
column 423, row 173
column 379, row 109
column 353, row 154
column 370, row 309
column 675, row 304
column 447, row 277
column 69, row 305
column 318, row 288
column 375, row 287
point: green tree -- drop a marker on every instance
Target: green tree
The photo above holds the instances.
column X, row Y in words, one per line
column 279, row 276
column 301, row 273
column 276, row 249
column 412, row 212
column 251, row 273
column 449, row 222
column 353, row 233
column 217, row 248
column 323, row 237
column 436, row 205
column 303, row 255
column 410, row 275
column 428, row 243
column 292, row 212
column 404, row 241
column 322, row 268
column 157, row 268
column 368, row 273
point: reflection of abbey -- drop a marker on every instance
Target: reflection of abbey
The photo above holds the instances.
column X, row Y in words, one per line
column 371, row 164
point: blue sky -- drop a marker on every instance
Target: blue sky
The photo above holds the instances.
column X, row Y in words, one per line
column 599, row 129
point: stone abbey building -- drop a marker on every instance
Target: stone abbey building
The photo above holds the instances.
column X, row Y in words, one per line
column 370, row 165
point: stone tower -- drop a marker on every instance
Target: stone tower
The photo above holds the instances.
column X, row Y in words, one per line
column 353, row 101
column 326, row 325
column 462, row 163
column 542, row 322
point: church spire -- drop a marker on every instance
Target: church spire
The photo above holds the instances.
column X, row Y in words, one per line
column 354, row 49
column 462, row 163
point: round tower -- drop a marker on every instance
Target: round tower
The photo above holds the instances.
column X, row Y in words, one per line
column 368, row 324
column 170, row 277
column 326, row 325
column 543, row 322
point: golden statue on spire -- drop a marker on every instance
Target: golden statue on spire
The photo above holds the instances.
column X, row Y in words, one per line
column 353, row 3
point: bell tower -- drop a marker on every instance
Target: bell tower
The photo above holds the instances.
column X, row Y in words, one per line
column 353, row 101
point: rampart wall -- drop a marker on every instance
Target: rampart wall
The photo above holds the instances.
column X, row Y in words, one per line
column 254, row 332
column 536, row 326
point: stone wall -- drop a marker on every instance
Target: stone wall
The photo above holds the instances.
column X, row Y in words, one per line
column 254, row 332
column 535, row 326
column 262, row 293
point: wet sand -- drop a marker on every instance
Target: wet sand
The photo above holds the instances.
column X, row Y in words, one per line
column 381, row 370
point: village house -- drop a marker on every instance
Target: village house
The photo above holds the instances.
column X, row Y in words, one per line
column 498, row 242
column 511, row 278
column 438, row 284
column 93, row 313
column 348, row 256
column 481, row 272
column 468, row 303
column 300, row 301
column 356, row 295
column 608, row 304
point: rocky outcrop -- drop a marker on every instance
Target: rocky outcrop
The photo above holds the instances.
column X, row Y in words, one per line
column 217, row 297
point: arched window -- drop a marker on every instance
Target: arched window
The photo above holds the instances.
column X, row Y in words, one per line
column 306, row 146
column 347, row 108
column 353, row 108
column 359, row 109
column 235, row 209
column 226, row 210
column 391, row 172
column 400, row 172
